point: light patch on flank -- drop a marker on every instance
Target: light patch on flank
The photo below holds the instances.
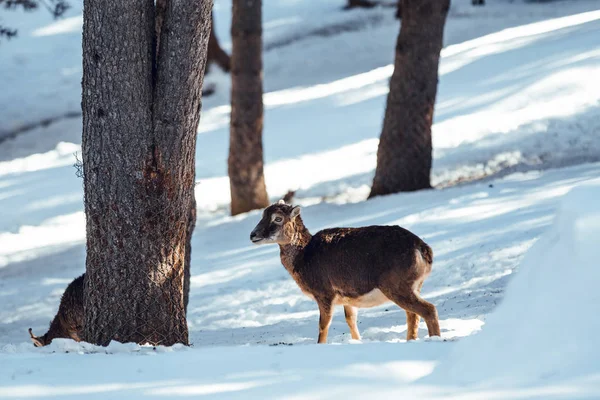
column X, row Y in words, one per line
column 372, row 299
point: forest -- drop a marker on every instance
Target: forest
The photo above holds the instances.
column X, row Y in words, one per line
column 294, row 199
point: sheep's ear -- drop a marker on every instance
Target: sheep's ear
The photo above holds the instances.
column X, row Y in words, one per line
column 295, row 212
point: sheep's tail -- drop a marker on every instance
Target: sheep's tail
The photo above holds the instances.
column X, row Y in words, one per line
column 426, row 253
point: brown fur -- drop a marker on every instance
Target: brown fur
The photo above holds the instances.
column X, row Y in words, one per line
column 68, row 322
column 360, row 267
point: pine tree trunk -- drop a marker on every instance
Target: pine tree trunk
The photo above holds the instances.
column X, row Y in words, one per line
column 159, row 14
column 248, row 191
column 404, row 153
column 140, row 116
column 215, row 53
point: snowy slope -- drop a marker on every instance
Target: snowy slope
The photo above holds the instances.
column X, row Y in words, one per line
column 543, row 360
column 546, row 327
column 513, row 95
column 516, row 96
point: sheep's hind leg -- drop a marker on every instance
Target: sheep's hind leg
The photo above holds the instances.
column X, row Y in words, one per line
column 412, row 321
column 413, row 303
column 351, row 317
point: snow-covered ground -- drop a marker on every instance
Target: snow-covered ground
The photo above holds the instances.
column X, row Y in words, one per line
column 532, row 347
column 518, row 111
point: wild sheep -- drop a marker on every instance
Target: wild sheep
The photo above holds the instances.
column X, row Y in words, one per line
column 353, row 267
column 68, row 322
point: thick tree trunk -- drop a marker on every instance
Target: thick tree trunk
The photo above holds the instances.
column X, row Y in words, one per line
column 215, row 53
column 248, row 191
column 161, row 8
column 140, row 117
column 404, row 154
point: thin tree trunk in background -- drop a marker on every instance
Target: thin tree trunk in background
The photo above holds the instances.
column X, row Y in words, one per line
column 215, row 53
column 140, row 117
column 404, row 153
column 247, row 182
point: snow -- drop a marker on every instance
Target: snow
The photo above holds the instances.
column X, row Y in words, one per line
column 533, row 335
column 517, row 114
column 527, row 348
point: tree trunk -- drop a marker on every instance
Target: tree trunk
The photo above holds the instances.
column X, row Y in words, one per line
column 248, row 191
column 215, row 53
column 404, row 153
column 161, row 7
column 141, row 109
column 159, row 17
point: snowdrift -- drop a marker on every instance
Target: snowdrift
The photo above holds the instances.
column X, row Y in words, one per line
column 547, row 326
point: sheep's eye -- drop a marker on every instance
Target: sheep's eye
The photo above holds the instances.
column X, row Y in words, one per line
column 278, row 219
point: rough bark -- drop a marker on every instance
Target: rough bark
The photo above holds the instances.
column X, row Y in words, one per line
column 215, row 53
column 140, row 115
column 247, row 182
column 161, row 7
column 404, row 153
column 159, row 18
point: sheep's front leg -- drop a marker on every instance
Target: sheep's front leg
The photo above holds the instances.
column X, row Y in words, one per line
column 326, row 313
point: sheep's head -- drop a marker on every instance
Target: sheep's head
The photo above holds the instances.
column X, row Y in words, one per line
column 38, row 341
column 277, row 224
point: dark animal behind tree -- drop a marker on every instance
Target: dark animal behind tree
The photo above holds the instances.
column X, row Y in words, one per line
column 68, row 322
